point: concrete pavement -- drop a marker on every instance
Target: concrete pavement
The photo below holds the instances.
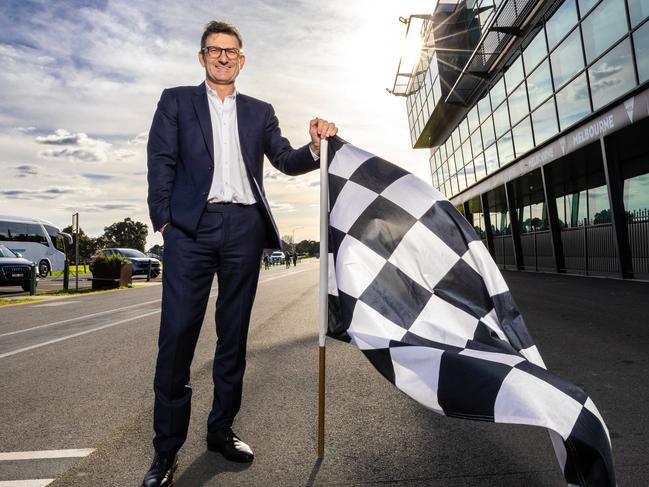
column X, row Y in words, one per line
column 94, row 391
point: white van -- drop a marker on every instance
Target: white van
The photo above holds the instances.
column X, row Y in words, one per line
column 37, row 240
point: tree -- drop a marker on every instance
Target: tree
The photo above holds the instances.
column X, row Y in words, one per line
column 128, row 233
column 157, row 250
column 87, row 245
column 308, row 247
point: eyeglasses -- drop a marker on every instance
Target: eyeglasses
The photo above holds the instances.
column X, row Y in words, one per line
column 214, row 52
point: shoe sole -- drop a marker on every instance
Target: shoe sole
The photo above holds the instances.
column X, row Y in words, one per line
column 215, row 448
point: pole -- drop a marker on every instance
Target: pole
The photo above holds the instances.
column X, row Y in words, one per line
column 324, row 287
column 75, row 220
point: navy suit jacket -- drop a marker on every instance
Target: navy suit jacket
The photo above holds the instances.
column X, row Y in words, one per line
column 181, row 156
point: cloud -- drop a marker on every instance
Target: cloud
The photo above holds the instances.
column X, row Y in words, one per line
column 77, row 147
column 25, row 170
column 101, row 207
column 139, row 139
column 37, row 194
column 63, row 137
column 97, row 177
column 282, row 207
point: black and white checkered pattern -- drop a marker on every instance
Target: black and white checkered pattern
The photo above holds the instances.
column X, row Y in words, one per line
column 413, row 287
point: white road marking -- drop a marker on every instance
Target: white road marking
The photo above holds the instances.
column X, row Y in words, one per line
column 26, row 483
column 108, row 325
column 39, row 455
column 74, row 335
column 56, row 303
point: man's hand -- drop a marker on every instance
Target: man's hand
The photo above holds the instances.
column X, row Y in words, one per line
column 319, row 129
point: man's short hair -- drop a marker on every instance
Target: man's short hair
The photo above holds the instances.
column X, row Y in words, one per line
column 217, row 27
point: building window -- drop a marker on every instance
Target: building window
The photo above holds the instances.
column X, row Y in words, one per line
column 480, row 169
column 641, row 44
column 488, row 135
column 535, row 51
column 476, row 142
column 523, row 140
column 603, row 26
column 518, row 104
column 638, row 10
column 484, row 108
column 491, row 159
column 497, row 93
column 469, row 171
column 572, row 102
column 612, row 75
column 472, row 118
column 561, row 22
column 544, row 121
column 501, row 120
column 505, row 149
column 539, row 84
column 514, row 74
column 585, row 6
column 567, row 60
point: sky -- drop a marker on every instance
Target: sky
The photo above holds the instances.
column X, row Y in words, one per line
column 81, row 79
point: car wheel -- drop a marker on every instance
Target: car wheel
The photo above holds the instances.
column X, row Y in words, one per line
column 43, row 268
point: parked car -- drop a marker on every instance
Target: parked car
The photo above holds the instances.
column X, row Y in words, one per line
column 139, row 261
column 14, row 270
column 277, row 257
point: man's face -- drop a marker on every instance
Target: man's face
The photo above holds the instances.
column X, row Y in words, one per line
column 221, row 70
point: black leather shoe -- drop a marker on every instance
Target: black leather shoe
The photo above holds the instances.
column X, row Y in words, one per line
column 161, row 473
column 229, row 445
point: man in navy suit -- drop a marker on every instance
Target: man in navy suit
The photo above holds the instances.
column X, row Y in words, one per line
column 206, row 196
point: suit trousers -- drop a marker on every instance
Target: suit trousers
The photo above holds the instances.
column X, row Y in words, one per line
column 229, row 244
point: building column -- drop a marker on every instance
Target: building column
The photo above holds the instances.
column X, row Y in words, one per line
column 553, row 219
column 487, row 223
column 513, row 221
column 615, row 186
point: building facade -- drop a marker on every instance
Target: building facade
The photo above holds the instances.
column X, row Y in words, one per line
column 536, row 115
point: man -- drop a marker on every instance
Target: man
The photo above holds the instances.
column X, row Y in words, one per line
column 206, row 197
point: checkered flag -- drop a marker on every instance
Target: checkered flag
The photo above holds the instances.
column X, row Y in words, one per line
column 413, row 287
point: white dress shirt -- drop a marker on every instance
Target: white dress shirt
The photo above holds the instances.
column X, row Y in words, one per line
column 230, row 180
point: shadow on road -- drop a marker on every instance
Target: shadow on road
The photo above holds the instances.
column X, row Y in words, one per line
column 206, row 467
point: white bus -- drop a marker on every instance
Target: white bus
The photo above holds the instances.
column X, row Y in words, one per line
column 36, row 240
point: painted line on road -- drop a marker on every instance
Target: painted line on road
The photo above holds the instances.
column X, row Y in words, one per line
column 92, row 315
column 74, row 335
column 41, row 454
column 108, row 325
column 26, row 483
column 56, row 303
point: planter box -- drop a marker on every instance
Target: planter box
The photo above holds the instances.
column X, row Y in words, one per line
column 110, row 276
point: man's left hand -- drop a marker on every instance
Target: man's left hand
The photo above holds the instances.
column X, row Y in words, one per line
column 319, row 129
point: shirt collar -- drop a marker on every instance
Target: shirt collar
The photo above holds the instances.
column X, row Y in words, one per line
column 211, row 92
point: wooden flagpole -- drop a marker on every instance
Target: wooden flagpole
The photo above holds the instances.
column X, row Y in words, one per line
column 324, row 287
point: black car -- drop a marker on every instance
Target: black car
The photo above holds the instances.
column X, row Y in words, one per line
column 14, row 270
column 139, row 261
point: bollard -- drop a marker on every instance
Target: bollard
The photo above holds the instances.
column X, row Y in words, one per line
column 32, row 280
column 148, row 272
column 66, row 275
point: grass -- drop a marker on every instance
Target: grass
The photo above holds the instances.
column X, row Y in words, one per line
column 81, row 269
column 64, row 292
column 5, row 301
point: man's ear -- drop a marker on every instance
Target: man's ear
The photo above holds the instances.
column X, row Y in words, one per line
column 201, row 59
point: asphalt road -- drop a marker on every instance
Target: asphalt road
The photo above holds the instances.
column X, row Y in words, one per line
column 76, row 379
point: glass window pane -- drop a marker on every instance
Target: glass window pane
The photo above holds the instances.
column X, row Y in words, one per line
column 585, row 6
column 466, row 151
column 491, row 159
column 572, row 102
column 539, row 85
column 535, row 51
column 567, row 60
column 636, row 194
column 501, row 120
column 514, row 75
column 505, row 149
column 469, row 171
column 456, row 139
column 598, row 206
column 472, row 118
column 476, row 142
column 561, row 22
column 605, row 25
column 462, row 129
column 523, row 140
column 638, row 10
column 613, row 75
column 488, row 135
column 641, row 43
column 481, row 171
column 518, row 104
column 497, row 93
column 544, row 121
column 484, row 107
